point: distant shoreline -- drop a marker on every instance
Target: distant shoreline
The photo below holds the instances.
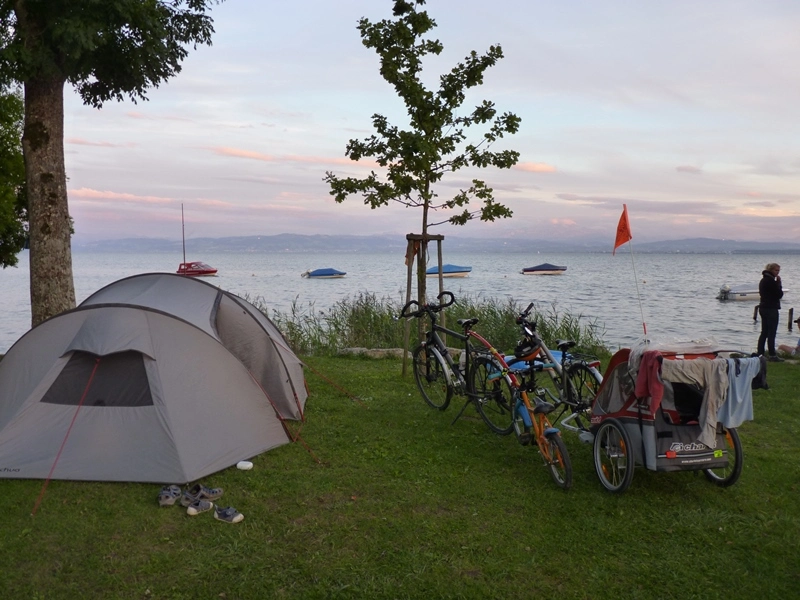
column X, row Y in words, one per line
column 294, row 243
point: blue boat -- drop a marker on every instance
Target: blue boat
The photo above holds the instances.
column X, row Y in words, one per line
column 449, row 271
column 544, row 269
column 323, row 274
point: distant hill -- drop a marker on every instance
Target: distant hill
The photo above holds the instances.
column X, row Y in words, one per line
column 711, row 246
column 293, row 243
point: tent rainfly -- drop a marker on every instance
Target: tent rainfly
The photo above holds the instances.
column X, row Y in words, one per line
column 127, row 393
column 243, row 329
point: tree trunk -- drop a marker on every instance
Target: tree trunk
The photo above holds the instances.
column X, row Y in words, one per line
column 52, row 287
column 423, row 257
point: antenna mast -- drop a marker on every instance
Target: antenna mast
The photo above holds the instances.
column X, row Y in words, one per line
column 183, row 236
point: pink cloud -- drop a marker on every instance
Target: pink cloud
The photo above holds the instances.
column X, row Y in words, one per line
column 292, row 158
column 533, row 167
column 689, row 169
column 82, row 142
column 215, row 203
column 90, row 194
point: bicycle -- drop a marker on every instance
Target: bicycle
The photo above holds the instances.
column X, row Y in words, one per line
column 484, row 377
column 531, row 409
column 573, row 381
column 475, row 375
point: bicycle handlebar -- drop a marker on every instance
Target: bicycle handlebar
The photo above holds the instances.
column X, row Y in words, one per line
column 428, row 308
column 522, row 318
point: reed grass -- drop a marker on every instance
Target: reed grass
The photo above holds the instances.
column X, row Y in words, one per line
column 369, row 321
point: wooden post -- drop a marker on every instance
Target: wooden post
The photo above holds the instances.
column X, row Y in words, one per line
column 410, row 254
column 441, row 284
column 791, row 319
column 415, row 239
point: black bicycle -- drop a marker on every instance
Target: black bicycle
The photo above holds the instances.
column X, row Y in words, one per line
column 480, row 373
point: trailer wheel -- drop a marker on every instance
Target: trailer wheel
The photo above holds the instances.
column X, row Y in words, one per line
column 613, row 456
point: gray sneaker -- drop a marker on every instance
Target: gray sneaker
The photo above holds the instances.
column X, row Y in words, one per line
column 199, row 506
column 229, row 514
column 199, row 492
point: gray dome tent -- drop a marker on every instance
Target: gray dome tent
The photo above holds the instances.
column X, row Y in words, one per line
column 126, row 393
column 243, row 329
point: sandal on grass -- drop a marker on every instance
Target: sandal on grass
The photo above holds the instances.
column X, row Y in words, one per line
column 199, row 492
column 168, row 495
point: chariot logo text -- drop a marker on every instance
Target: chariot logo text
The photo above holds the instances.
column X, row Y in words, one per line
column 681, row 447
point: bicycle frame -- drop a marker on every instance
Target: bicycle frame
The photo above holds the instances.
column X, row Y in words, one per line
column 434, row 343
column 459, row 378
column 559, row 373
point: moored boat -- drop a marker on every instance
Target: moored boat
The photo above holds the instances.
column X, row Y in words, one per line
column 323, row 274
column 196, row 269
column 742, row 291
column 449, row 271
column 544, row 269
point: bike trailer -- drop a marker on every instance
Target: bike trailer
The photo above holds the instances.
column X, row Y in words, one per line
column 671, row 425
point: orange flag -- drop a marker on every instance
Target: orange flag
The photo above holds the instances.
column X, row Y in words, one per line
column 623, row 230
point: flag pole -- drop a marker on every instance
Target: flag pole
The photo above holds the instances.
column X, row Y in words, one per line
column 624, row 237
column 638, row 295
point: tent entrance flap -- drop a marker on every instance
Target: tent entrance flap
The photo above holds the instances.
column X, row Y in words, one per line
column 120, row 381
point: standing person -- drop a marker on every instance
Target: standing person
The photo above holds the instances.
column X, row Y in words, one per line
column 771, row 291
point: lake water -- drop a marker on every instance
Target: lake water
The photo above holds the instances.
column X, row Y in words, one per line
column 673, row 293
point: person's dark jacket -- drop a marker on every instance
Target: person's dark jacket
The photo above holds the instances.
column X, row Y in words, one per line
column 771, row 291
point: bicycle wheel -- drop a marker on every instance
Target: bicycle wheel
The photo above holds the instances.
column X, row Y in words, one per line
column 492, row 394
column 430, row 377
column 728, row 475
column 613, row 456
column 584, row 383
column 558, row 461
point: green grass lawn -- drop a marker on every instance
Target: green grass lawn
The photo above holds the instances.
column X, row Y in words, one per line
column 389, row 500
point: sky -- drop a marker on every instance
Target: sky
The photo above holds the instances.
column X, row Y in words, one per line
column 687, row 112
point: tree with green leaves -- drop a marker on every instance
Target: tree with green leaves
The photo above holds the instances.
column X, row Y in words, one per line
column 107, row 50
column 413, row 160
column 13, row 205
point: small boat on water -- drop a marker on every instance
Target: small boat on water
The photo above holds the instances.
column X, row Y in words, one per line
column 544, row 269
column 323, row 274
column 742, row 291
column 196, row 269
column 449, row 271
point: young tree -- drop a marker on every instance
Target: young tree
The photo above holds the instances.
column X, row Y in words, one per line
column 106, row 49
column 435, row 143
column 13, row 207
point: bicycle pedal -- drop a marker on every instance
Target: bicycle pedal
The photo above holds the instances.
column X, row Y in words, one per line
column 525, row 438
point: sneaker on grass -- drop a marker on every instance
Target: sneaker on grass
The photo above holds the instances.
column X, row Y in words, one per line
column 229, row 514
column 199, row 506
column 199, row 492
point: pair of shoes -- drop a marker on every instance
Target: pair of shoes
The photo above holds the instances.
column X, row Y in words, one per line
column 199, row 492
column 168, row 495
column 775, row 358
column 199, row 506
column 229, row 514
